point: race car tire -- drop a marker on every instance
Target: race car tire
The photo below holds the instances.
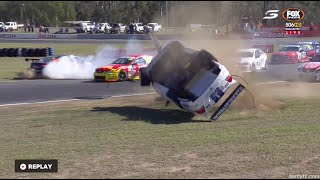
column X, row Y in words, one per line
column 30, row 74
column 144, row 78
column 18, row 52
column 24, row 52
column 265, row 65
column 4, row 52
column 30, row 52
column 43, row 52
column 123, row 76
column 203, row 54
column 10, row 52
column 37, row 52
column 253, row 68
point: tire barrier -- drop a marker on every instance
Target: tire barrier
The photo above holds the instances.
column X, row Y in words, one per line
column 26, row 52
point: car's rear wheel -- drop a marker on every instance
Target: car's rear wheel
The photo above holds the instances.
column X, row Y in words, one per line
column 144, row 78
column 30, row 74
column 253, row 67
column 123, row 76
column 265, row 65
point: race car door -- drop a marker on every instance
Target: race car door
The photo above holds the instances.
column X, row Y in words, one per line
column 311, row 52
column 263, row 58
column 140, row 62
column 304, row 56
column 257, row 59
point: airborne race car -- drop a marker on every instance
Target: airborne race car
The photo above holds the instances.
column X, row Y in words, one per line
column 193, row 80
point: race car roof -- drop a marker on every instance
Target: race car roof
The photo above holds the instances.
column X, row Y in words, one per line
column 249, row 49
column 308, row 42
column 291, row 45
column 134, row 56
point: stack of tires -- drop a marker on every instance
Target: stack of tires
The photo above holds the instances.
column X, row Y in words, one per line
column 26, row 52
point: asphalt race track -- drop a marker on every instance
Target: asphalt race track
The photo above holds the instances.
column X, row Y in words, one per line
column 28, row 91
column 25, row 91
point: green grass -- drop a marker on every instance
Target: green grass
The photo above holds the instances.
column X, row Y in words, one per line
column 103, row 141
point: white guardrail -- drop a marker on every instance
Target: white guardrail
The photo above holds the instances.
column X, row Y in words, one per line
column 37, row 36
column 81, row 36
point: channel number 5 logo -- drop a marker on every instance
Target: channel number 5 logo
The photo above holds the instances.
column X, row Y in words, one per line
column 271, row 14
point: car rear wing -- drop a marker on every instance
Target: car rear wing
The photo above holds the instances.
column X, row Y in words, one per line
column 32, row 59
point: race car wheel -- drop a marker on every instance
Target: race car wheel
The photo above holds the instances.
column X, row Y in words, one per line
column 253, row 68
column 144, row 78
column 30, row 74
column 265, row 65
column 203, row 54
column 123, row 76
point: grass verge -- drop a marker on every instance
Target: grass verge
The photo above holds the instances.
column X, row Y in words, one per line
column 129, row 138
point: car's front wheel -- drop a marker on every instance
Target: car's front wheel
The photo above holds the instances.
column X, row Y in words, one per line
column 253, row 67
column 123, row 76
column 265, row 65
column 144, row 78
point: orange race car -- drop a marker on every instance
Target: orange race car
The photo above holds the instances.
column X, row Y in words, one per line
column 123, row 68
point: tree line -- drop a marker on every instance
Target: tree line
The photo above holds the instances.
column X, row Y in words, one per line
column 167, row 13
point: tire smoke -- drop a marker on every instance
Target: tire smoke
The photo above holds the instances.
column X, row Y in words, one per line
column 83, row 67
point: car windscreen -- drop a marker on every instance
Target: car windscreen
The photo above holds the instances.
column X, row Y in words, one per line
column 7, row 24
column 289, row 48
column 123, row 61
column 245, row 54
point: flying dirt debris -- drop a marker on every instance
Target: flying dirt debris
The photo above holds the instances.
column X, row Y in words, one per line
column 194, row 80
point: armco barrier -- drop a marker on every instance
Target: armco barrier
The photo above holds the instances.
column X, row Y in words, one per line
column 204, row 36
column 38, row 36
column 125, row 36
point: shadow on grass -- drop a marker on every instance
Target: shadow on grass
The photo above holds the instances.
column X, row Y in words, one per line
column 154, row 116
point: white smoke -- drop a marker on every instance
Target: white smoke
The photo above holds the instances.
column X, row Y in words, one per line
column 74, row 67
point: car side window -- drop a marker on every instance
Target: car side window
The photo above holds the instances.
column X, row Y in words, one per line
column 78, row 59
column 303, row 48
column 141, row 61
column 257, row 53
column 261, row 52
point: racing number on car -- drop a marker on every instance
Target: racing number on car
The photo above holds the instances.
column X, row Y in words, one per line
column 133, row 71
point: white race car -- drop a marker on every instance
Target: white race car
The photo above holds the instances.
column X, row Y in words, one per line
column 193, row 80
column 251, row 60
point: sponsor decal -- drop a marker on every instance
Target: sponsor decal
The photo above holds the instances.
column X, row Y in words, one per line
column 293, row 14
column 271, row 14
column 227, row 102
column 47, row 36
column 7, row 36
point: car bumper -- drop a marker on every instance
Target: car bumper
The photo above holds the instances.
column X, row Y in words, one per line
column 317, row 76
column 308, row 76
column 106, row 76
